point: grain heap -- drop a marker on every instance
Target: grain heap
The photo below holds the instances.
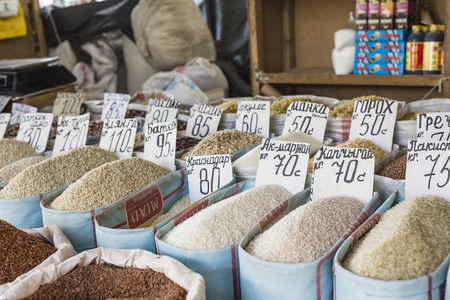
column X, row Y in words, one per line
column 411, row 240
column 110, row 282
column 56, row 172
column 176, row 207
column 11, row 150
column 345, row 108
column 108, row 183
column 19, row 252
column 226, row 141
column 396, row 169
column 184, row 142
column 308, row 232
column 281, row 106
column 223, row 224
column 412, row 116
column 355, row 143
column 8, row 172
column 230, row 107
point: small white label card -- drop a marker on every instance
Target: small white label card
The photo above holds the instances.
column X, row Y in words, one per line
column 71, row 133
column 283, row 163
column 343, row 172
column 254, row 117
column 433, row 126
column 203, row 120
column 207, row 174
column 18, row 109
column 161, row 110
column 428, row 169
column 4, row 121
column 161, row 143
column 34, row 129
column 307, row 117
column 68, row 104
column 374, row 120
column 4, row 101
column 115, row 106
column 118, row 136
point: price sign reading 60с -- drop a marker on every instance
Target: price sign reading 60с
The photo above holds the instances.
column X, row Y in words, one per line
column 254, row 117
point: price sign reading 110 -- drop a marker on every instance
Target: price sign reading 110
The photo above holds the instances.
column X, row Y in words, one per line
column 118, row 136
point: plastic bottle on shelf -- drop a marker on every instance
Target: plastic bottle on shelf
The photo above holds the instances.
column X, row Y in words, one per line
column 425, row 29
column 432, row 49
column 414, row 51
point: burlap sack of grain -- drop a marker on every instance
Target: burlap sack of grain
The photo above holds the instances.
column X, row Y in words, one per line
column 385, row 186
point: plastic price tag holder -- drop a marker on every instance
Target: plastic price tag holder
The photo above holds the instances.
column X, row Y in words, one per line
column 115, row 106
column 374, row 120
column 4, row 121
column 203, row 120
column 4, row 101
column 68, row 104
column 18, row 109
column 161, row 110
column 71, row 133
column 428, row 169
column 307, row 117
column 254, row 117
column 343, row 172
column 433, row 126
column 160, row 143
column 34, row 129
column 118, row 136
column 207, row 174
column 283, row 163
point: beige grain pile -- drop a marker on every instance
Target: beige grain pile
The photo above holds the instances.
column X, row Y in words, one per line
column 230, row 107
column 411, row 240
column 108, row 183
column 8, row 172
column 345, row 108
column 56, row 172
column 11, row 150
column 412, row 116
column 308, row 232
column 225, row 223
column 281, row 106
column 179, row 205
column 226, row 141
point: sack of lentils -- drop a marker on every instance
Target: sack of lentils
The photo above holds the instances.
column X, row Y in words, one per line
column 23, row 251
column 206, row 235
column 19, row 199
column 105, row 273
column 12, row 150
column 400, row 252
column 291, row 250
column 390, row 173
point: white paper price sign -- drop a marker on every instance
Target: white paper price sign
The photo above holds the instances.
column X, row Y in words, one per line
column 206, row 174
column 310, row 118
column 433, row 126
column 34, row 129
column 428, row 169
column 115, row 106
column 374, row 120
column 203, row 121
column 68, row 104
column 343, row 172
column 161, row 143
column 18, row 109
column 283, row 163
column 71, row 133
column 4, row 101
column 4, row 121
column 118, row 136
column 161, row 110
column 254, row 117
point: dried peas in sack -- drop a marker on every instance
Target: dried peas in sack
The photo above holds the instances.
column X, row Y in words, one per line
column 345, row 108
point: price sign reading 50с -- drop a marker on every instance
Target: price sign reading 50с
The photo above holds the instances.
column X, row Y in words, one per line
column 118, row 136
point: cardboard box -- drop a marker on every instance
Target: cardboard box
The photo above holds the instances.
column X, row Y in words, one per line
column 373, row 21
column 404, row 13
column 381, row 47
column 379, row 58
column 387, row 11
column 362, row 13
column 390, row 35
column 378, row 69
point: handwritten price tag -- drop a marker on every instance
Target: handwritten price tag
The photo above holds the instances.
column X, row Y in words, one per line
column 254, row 117
column 207, row 174
column 343, row 172
column 4, row 121
column 118, row 136
column 115, row 106
column 283, row 163
column 428, row 169
column 4, row 101
column 18, row 109
column 68, row 104
column 161, row 110
column 310, row 118
column 374, row 120
column 203, row 121
column 160, row 143
column 433, row 126
column 70, row 134
column 34, row 129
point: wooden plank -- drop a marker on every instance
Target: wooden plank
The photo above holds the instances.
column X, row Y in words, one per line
column 253, row 9
column 35, row 13
column 288, row 35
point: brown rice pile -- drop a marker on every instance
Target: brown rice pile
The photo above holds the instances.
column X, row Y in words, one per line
column 11, row 150
column 8, row 172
